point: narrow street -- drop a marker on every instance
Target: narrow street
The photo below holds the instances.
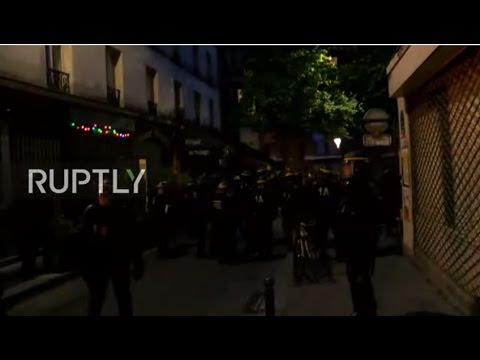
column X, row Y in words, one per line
column 201, row 287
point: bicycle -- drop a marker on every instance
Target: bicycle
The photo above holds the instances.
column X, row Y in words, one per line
column 306, row 256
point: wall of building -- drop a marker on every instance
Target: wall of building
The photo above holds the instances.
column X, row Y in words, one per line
column 24, row 63
column 89, row 74
column 406, row 171
column 5, row 180
column 440, row 123
column 86, row 66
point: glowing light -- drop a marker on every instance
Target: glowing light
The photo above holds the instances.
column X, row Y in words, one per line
column 338, row 142
column 105, row 130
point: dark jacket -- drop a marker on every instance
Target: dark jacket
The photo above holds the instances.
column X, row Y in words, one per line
column 108, row 238
column 359, row 214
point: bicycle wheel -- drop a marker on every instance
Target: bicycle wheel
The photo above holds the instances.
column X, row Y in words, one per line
column 298, row 261
column 312, row 262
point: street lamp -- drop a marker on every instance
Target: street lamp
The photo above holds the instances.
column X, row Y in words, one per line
column 338, row 142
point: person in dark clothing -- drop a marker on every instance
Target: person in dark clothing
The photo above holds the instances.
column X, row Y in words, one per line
column 110, row 253
column 2, row 305
column 324, row 212
column 391, row 193
column 34, row 215
column 289, row 194
column 197, row 209
column 263, row 215
column 340, row 222
column 163, row 217
column 361, row 241
column 238, row 203
column 224, row 239
column 246, row 196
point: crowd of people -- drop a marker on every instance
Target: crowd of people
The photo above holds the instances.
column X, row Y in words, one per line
column 232, row 219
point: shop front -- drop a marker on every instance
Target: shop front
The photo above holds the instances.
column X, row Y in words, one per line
column 30, row 137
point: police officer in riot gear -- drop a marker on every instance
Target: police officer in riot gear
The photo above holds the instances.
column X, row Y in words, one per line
column 109, row 252
column 325, row 193
column 247, row 186
column 290, row 189
column 201, row 210
column 162, row 205
column 2, row 305
column 263, row 215
column 224, row 223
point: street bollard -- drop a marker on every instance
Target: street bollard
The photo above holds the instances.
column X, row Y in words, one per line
column 269, row 297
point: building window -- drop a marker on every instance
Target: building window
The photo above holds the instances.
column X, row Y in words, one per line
column 209, row 67
column 178, row 98
column 211, row 112
column 196, row 63
column 54, row 57
column 113, row 75
column 56, row 77
column 152, row 93
column 333, row 60
column 176, row 55
column 228, row 57
column 197, row 100
column 239, row 95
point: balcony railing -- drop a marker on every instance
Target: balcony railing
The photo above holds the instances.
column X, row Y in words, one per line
column 58, row 80
column 179, row 114
column 152, row 109
column 113, row 96
column 211, row 81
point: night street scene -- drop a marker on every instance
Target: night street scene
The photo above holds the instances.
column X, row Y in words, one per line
column 210, row 180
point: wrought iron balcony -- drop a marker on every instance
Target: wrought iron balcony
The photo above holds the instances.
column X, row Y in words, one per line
column 113, row 96
column 210, row 80
column 179, row 114
column 196, row 70
column 152, row 109
column 58, row 80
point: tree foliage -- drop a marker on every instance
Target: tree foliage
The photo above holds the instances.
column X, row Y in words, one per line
column 296, row 90
column 362, row 72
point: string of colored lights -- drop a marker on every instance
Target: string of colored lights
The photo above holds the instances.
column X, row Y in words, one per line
column 105, row 130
